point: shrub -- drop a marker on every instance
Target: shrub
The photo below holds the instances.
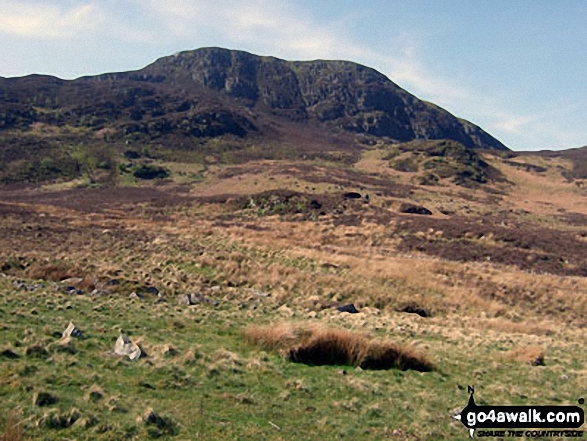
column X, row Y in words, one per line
column 149, row 171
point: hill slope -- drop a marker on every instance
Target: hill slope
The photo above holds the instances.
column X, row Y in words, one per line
column 185, row 100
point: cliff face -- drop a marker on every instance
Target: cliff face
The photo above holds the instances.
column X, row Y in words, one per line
column 337, row 93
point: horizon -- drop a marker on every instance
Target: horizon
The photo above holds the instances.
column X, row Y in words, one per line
column 451, row 55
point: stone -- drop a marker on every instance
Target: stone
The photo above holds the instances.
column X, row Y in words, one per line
column 350, row 308
column 71, row 331
column 414, row 209
column 125, row 347
column 153, row 291
column 114, row 406
column 186, row 300
column 134, row 295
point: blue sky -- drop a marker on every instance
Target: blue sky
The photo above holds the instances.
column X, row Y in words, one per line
column 516, row 68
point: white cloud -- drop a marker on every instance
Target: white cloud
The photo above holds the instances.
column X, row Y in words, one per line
column 277, row 28
column 47, row 20
column 551, row 129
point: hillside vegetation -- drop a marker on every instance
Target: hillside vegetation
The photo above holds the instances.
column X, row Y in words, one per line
column 223, row 246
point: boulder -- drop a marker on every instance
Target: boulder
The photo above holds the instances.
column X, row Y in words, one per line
column 350, row 308
column 134, row 295
column 186, row 300
column 414, row 209
column 352, row 195
column 125, row 347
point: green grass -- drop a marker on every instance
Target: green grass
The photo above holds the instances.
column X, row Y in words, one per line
column 219, row 387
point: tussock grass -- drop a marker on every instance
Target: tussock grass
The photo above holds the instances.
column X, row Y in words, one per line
column 533, row 355
column 50, row 272
column 328, row 346
column 320, row 345
column 509, row 327
column 11, row 428
column 274, row 337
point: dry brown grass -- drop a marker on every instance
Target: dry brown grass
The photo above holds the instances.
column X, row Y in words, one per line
column 50, row 272
column 11, row 428
column 533, row 355
column 319, row 345
column 274, row 337
column 509, row 327
column 329, row 346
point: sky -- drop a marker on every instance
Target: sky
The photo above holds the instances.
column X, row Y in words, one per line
column 515, row 68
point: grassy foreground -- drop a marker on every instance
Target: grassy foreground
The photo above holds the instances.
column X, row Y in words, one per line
column 209, row 384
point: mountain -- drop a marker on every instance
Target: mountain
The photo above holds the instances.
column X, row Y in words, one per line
column 577, row 157
column 221, row 103
column 177, row 91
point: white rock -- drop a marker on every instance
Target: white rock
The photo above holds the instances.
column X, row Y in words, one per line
column 71, row 331
column 125, row 347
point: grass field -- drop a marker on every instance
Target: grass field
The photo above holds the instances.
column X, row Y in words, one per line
column 514, row 329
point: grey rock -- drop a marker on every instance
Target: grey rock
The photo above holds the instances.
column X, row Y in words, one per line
column 350, row 308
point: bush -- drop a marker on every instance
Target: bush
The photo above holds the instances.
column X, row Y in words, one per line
column 148, row 171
